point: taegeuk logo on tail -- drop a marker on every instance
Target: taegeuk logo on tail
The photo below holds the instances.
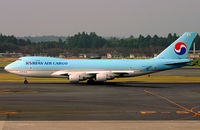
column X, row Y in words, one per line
column 180, row 48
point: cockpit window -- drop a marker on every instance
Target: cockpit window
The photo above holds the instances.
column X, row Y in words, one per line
column 19, row 59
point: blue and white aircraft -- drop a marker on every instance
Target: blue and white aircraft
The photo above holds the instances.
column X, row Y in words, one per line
column 103, row 69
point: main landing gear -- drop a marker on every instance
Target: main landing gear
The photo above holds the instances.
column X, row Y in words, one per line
column 25, row 80
column 90, row 81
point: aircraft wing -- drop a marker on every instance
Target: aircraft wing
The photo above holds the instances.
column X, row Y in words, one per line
column 92, row 73
column 114, row 72
column 61, row 73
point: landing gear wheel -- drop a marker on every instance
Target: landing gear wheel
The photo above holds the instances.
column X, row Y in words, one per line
column 25, row 81
column 90, row 81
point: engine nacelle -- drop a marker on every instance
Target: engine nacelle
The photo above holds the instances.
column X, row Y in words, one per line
column 104, row 76
column 76, row 77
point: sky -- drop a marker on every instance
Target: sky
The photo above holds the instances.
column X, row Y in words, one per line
column 119, row 18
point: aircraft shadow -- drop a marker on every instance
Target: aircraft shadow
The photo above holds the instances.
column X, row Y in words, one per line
column 122, row 84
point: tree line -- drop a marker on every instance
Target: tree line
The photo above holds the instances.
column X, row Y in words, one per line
column 91, row 43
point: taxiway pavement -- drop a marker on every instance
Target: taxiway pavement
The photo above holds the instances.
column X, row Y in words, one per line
column 109, row 101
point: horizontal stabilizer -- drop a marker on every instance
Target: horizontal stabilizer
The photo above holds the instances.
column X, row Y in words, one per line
column 177, row 63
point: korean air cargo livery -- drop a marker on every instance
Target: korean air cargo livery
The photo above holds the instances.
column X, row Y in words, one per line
column 101, row 70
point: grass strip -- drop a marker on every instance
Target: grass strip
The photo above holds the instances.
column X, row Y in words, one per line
column 6, row 77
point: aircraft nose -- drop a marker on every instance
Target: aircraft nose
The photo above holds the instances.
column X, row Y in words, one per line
column 7, row 68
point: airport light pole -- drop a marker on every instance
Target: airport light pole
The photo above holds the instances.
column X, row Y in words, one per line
column 194, row 48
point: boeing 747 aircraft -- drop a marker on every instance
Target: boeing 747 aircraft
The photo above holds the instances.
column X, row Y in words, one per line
column 103, row 69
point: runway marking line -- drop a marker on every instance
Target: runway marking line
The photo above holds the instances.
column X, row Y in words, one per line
column 166, row 99
column 91, row 111
column 148, row 112
column 182, row 112
column 6, row 112
column 105, row 111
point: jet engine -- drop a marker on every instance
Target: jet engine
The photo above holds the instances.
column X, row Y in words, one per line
column 76, row 77
column 104, row 76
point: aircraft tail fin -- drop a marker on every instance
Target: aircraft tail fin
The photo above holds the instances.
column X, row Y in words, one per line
column 180, row 48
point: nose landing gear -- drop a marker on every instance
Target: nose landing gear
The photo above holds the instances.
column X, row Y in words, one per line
column 25, row 81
